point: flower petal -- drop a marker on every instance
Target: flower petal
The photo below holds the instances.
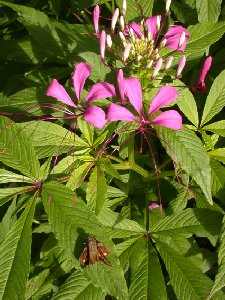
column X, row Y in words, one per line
column 120, row 82
column 200, row 86
column 173, row 35
column 81, row 73
column 101, row 90
column 96, row 116
column 151, row 23
column 119, row 113
column 132, row 88
column 58, row 91
column 136, row 28
column 166, row 95
column 170, row 119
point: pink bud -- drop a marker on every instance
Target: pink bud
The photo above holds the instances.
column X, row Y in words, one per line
column 96, row 14
column 126, row 52
column 109, row 41
column 120, row 82
column 157, row 68
column 168, row 62
column 114, row 18
column 182, row 39
column 102, row 45
column 124, row 6
column 181, row 65
column 200, row 86
column 168, row 3
column 153, row 205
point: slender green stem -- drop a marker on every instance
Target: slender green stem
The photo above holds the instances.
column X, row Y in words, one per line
column 146, row 186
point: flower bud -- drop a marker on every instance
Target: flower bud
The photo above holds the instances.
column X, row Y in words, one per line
column 168, row 63
column 96, row 14
column 157, row 68
column 149, row 64
column 168, row 3
column 162, row 43
column 181, row 65
column 122, row 37
column 182, row 39
column 114, row 19
column 109, row 41
column 102, row 42
column 122, row 23
column 126, row 52
column 158, row 22
column 124, row 6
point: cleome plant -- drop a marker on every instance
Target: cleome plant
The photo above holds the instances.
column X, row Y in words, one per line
column 112, row 150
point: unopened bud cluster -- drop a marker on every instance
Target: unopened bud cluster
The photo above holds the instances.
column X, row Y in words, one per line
column 140, row 44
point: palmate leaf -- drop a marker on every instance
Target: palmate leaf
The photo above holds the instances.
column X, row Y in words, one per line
column 71, row 224
column 16, row 149
column 218, row 154
column 15, row 256
column 215, row 100
column 188, row 282
column 220, row 279
column 218, row 178
column 202, row 222
column 187, row 151
column 78, row 287
column 208, row 11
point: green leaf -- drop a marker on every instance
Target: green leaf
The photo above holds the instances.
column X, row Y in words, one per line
column 188, row 106
column 133, row 12
column 147, row 281
column 217, row 128
column 187, row 151
column 215, row 100
column 71, row 224
column 218, row 179
column 87, row 129
column 188, row 281
column 121, row 228
column 208, row 11
column 15, row 256
column 218, row 154
column 17, row 150
column 220, row 279
column 51, row 139
column 78, row 175
column 96, row 190
column 78, row 287
column 199, row 221
column 8, row 176
column 99, row 70
column 55, row 38
column 7, row 193
column 203, row 35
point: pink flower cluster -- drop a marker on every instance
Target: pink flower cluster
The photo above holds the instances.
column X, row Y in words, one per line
column 141, row 43
column 130, row 88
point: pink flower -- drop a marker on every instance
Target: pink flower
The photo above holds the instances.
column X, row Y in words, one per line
column 181, row 65
column 102, row 43
column 200, row 86
column 92, row 114
column 132, row 89
column 172, row 37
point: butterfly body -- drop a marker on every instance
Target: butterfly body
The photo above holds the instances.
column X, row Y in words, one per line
column 94, row 252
